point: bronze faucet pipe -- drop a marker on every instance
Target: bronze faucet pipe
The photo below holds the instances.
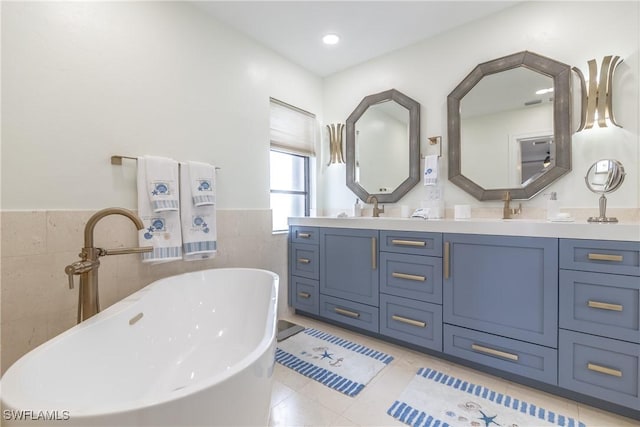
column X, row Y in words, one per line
column 91, row 224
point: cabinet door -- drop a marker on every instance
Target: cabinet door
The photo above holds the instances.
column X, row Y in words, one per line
column 349, row 264
column 502, row 285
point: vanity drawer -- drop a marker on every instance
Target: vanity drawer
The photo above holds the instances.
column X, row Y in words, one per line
column 415, row 322
column 600, row 256
column 306, row 296
column 410, row 242
column 304, row 260
column 600, row 304
column 518, row 357
column 348, row 312
column 600, row 367
column 411, row 276
column 307, row 235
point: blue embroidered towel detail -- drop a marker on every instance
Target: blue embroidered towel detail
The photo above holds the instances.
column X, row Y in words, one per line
column 161, row 229
column 199, row 231
column 203, row 183
column 162, row 183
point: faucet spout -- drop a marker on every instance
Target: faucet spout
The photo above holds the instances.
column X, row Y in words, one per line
column 93, row 221
column 507, row 210
column 376, row 210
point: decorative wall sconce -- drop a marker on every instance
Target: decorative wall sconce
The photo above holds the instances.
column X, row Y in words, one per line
column 335, row 143
column 598, row 101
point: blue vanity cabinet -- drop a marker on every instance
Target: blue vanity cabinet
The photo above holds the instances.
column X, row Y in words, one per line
column 304, row 269
column 349, row 283
column 411, row 287
column 502, row 285
column 599, row 353
column 500, row 302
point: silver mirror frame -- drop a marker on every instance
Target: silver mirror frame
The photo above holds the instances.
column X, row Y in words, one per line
column 561, row 75
column 414, row 145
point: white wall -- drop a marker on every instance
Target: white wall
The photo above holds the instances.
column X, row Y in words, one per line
column 84, row 80
column 569, row 32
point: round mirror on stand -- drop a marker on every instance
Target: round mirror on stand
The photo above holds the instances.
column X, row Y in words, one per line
column 604, row 176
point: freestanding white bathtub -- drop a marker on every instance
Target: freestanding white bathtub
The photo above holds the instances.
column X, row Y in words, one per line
column 189, row 350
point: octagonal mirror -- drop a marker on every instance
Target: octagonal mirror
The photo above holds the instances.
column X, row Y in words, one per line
column 382, row 146
column 509, row 127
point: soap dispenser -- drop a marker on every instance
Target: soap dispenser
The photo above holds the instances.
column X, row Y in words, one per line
column 357, row 208
column 553, row 206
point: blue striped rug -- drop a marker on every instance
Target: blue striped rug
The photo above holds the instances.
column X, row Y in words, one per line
column 340, row 364
column 434, row 399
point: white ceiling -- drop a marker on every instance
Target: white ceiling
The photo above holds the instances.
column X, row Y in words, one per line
column 367, row 28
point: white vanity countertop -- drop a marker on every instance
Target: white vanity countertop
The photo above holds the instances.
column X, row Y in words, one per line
column 513, row 227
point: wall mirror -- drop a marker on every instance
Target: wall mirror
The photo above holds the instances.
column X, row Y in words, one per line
column 509, row 127
column 382, row 147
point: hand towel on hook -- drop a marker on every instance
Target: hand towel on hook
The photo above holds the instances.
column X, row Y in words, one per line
column 202, row 177
column 162, row 229
column 199, row 230
column 431, row 170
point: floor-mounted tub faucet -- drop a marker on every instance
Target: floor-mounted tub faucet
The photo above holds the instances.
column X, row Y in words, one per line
column 87, row 267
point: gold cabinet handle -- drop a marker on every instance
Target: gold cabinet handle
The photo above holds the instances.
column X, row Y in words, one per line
column 408, row 242
column 374, row 253
column 347, row 313
column 304, row 260
column 304, row 295
column 604, row 305
column 411, row 322
column 605, row 257
column 304, row 235
column 494, row 352
column 604, row 370
column 408, row 276
column 446, row 259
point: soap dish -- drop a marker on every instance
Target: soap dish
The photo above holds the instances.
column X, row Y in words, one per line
column 563, row 219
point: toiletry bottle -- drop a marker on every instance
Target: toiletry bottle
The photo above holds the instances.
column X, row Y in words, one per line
column 357, row 209
column 553, row 206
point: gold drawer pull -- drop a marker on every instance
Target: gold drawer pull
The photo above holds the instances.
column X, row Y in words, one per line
column 304, row 260
column 605, row 257
column 604, row 370
column 409, row 321
column 493, row 352
column 304, row 295
column 347, row 313
column 408, row 243
column 409, row 277
column 604, row 305
column 304, row 235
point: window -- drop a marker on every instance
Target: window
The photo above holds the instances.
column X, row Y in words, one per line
column 289, row 187
column 293, row 138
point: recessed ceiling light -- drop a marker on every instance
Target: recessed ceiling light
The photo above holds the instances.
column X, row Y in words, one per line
column 331, row 39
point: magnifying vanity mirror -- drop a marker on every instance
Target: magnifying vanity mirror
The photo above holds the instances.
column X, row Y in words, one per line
column 509, row 127
column 382, row 146
column 604, row 176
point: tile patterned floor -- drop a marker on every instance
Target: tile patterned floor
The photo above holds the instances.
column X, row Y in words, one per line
column 299, row 401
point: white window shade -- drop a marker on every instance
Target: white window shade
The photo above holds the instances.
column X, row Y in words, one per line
column 292, row 129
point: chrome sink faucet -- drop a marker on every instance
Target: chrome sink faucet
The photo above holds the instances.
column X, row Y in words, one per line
column 376, row 210
column 507, row 210
column 87, row 267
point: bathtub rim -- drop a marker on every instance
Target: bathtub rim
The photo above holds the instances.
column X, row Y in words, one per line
column 266, row 344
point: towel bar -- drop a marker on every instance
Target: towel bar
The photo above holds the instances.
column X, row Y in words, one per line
column 117, row 160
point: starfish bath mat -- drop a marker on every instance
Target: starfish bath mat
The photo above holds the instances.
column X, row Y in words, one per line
column 340, row 364
column 435, row 399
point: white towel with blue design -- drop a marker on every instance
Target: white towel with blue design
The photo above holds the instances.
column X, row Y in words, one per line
column 161, row 227
column 162, row 183
column 202, row 177
column 431, row 170
column 198, row 217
